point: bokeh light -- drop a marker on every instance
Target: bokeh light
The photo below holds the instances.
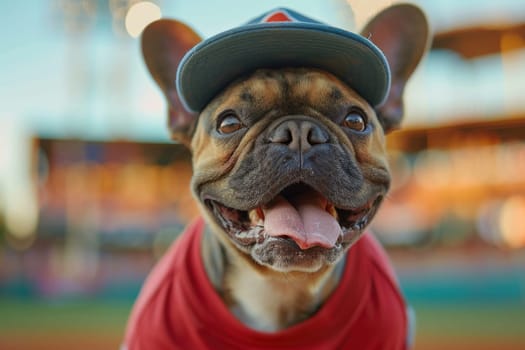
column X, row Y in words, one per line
column 140, row 15
column 511, row 222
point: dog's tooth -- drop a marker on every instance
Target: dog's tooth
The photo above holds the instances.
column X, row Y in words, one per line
column 330, row 209
column 254, row 217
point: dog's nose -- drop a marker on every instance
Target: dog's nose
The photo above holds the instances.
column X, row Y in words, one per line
column 299, row 135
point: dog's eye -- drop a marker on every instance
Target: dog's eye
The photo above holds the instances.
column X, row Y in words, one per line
column 355, row 120
column 229, row 123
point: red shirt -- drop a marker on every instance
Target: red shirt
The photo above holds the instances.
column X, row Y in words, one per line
column 179, row 309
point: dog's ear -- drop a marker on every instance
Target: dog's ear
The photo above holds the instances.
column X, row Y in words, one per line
column 164, row 43
column 402, row 33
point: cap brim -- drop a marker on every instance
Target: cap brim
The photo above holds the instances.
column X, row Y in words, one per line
column 214, row 63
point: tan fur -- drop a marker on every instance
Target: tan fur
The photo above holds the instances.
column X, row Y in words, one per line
column 261, row 298
column 308, row 86
column 270, row 302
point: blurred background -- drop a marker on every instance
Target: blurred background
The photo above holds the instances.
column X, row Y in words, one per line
column 92, row 191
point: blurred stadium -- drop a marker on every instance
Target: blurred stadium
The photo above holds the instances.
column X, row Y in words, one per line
column 92, row 191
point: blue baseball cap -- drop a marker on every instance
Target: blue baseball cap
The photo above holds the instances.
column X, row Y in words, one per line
column 277, row 39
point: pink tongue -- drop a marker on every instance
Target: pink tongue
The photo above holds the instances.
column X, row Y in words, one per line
column 305, row 221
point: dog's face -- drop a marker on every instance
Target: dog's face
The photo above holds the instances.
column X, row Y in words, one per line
column 289, row 166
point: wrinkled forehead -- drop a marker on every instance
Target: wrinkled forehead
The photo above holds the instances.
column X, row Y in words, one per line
column 267, row 87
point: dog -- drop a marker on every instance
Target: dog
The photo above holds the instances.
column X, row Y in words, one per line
column 286, row 119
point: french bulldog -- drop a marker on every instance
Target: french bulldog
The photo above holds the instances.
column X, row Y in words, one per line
column 289, row 168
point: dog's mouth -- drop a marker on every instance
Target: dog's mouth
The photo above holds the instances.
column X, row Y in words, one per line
column 298, row 215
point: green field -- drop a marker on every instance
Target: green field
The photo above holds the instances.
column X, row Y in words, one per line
column 99, row 325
